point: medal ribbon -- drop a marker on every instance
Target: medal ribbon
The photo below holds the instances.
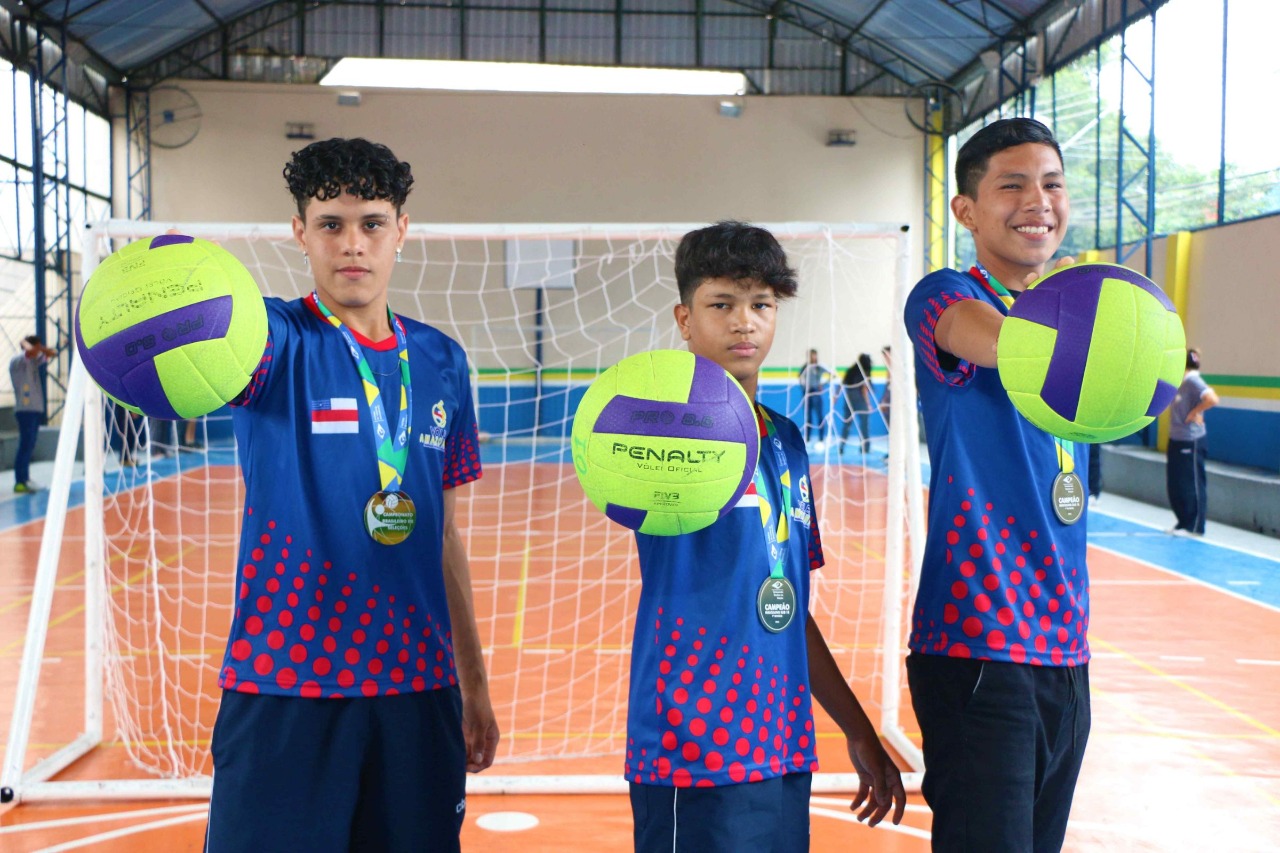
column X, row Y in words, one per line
column 392, row 449
column 1064, row 448
column 773, row 536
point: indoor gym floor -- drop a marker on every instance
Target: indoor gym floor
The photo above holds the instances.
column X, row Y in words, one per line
column 1184, row 753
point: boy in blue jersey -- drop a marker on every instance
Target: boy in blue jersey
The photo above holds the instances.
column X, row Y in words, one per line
column 720, row 735
column 354, row 691
column 999, row 657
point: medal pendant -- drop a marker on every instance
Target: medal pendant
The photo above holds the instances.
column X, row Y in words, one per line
column 389, row 517
column 1068, row 497
column 776, row 604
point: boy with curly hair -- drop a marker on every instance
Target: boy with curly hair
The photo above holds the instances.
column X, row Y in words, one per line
column 354, row 690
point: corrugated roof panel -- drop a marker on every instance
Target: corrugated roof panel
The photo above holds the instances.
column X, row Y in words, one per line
column 502, row 35
column 939, row 40
column 129, row 34
column 580, row 39
column 342, row 31
column 576, row 5
column 422, row 33
column 735, row 42
column 685, row 6
column 658, row 41
column 907, row 40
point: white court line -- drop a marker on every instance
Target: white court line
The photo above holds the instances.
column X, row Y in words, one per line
column 1195, row 580
column 850, row 817
column 121, row 833
column 1188, row 658
column 99, row 818
column 1169, row 582
column 1244, row 583
column 1255, row 662
column 534, row 651
column 613, row 651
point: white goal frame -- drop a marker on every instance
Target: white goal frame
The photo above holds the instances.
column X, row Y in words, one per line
column 83, row 418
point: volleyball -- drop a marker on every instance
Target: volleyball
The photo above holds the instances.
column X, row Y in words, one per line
column 172, row 326
column 665, row 442
column 1092, row 352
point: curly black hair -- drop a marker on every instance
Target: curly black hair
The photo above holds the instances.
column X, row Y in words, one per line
column 736, row 251
column 327, row 169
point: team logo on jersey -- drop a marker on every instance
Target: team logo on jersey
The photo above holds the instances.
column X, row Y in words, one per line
column 334, row 415
column 803, row 512
column 434, row 436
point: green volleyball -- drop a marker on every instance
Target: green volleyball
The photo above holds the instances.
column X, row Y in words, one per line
column 1092, row 352
column 172, row 327
column 665, row 442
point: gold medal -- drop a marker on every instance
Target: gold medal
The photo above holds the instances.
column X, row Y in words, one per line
column 776, row 604
column 389, row 517
column 1068, row 497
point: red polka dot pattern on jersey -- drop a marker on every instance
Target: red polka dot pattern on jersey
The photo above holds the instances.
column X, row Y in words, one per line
column 462, row 457
column 292, row 635
column 748, row 720
column 998, row 609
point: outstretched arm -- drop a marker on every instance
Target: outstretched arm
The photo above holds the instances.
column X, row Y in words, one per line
column 970, row 328
column 479, row 726
column 879, row 781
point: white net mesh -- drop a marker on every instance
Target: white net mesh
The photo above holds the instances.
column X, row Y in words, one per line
column 540, row 311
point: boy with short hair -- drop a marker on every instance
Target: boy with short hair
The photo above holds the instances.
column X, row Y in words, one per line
column 355, row 696
column 720, row 737
column 999, row 655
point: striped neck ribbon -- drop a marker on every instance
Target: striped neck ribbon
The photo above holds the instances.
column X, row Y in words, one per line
column 774, row 536
column 392, row 448
column 1066, row 461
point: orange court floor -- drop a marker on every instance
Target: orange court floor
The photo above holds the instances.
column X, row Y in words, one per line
column 1184, row 753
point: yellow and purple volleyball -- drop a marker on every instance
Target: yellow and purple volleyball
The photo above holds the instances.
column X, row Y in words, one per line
column 171, row 326
column 665, row 442
column 1092, row 352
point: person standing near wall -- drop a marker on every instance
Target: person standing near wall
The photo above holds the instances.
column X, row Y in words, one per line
column 28, row 406
column 859, row 401
column 1185, row 452
column 814, row 379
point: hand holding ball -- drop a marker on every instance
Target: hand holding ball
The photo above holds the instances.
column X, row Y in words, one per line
column 665, row 442
column 1091, row 352
column 171, row 327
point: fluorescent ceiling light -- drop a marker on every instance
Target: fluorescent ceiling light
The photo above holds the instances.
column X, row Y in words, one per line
column 529, row 77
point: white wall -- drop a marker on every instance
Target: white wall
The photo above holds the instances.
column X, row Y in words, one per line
column 580, row 158
column 556, row 158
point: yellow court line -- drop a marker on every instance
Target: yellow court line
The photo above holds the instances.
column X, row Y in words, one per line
column 1195, row 691
column 26, row 599
column 1200, row 754
column 517, row 631
column 53, row 623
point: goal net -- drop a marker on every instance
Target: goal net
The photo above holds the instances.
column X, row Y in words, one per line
column 152, row 530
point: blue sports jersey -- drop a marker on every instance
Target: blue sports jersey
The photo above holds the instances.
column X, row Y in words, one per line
column 715, row 698
column 322, row 609
column 1003, row 579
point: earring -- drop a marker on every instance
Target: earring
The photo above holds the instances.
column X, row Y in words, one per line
column 397, row 256
column 306, row 261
